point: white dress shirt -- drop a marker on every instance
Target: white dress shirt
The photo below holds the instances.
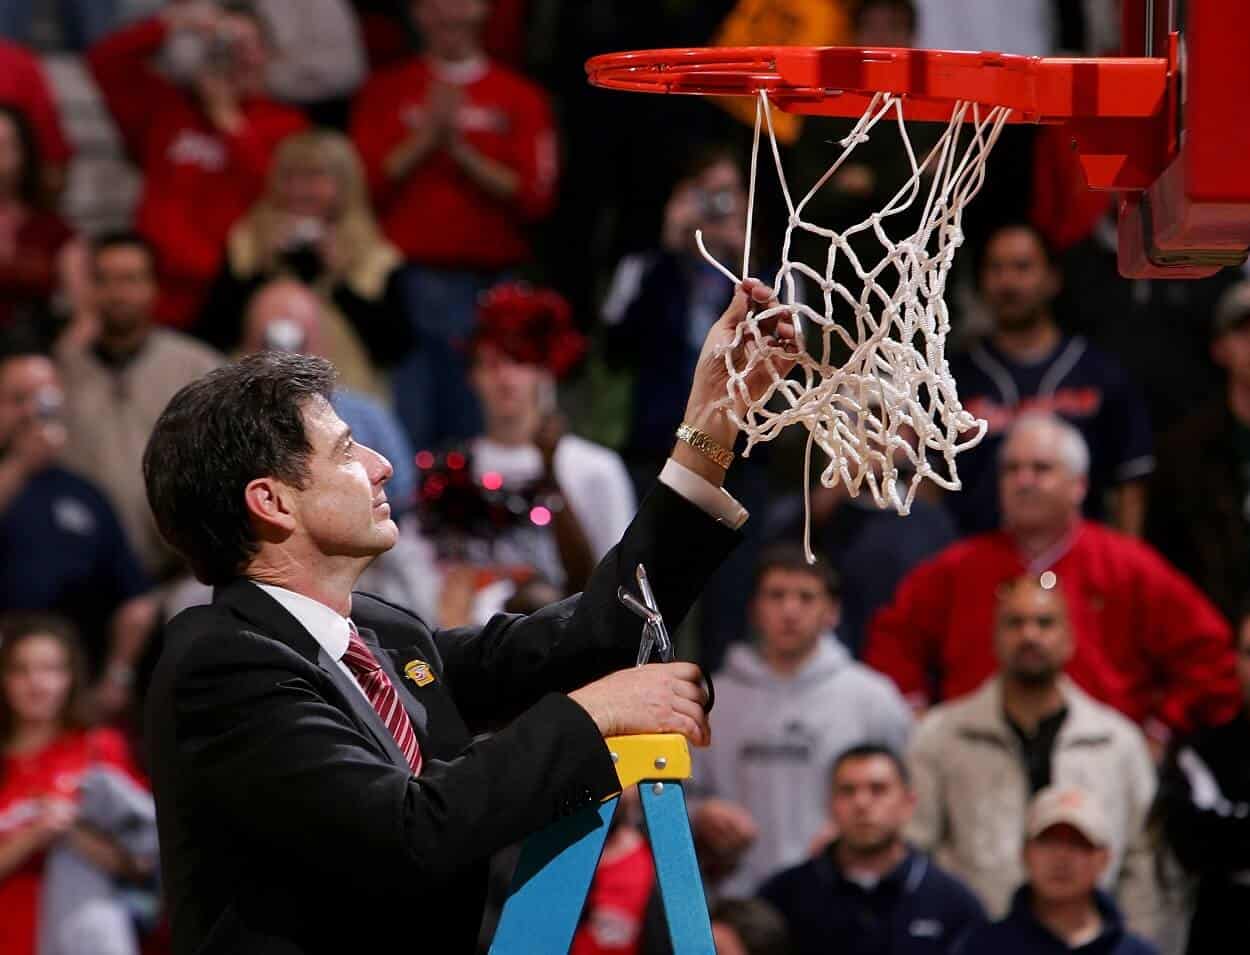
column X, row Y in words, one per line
column 330, row 629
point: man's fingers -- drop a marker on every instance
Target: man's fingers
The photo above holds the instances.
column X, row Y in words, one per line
column 691, row 721
column 690, row 691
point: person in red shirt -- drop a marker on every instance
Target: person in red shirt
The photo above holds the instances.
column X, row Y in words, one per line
column 24, row 85
column 205, row 148
column 616, row 905
column 36, row 247
column 1147, row 641
column 46, row 749
column 461, row 157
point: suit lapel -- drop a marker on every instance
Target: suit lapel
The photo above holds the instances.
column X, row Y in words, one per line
column 416, row 710
column 361, row 707
column 272, row 620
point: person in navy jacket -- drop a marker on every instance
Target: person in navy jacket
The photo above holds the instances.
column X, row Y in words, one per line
column 868, row 892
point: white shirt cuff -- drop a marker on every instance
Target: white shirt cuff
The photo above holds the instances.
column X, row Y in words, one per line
column 715, row 501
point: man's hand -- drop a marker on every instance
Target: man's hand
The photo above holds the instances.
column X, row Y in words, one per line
column 725, row 829
column 56, row 818
column 656, row 698
column 709, row 393
column 192, row 16
column 441, row 106
column 109, row 698
column 551, row 429
column 37, row 444
column 220, row 98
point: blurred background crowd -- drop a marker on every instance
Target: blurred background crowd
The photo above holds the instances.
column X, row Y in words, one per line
column 1014, row 720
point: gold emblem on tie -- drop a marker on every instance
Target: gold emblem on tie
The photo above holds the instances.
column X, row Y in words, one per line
column 418, row 671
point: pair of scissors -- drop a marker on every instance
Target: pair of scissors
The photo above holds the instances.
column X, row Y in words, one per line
column 655, row 638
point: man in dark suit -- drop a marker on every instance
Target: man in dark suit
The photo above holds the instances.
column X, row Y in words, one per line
column 318, row 785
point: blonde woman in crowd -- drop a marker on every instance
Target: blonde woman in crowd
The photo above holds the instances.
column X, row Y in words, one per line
column 314, row 223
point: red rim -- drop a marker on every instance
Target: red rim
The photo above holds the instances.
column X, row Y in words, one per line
column 840, row 81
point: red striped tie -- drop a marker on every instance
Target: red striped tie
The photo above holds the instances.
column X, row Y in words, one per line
column 382, row 696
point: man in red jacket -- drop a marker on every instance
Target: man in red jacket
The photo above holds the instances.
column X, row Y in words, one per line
column 204, row 148
column 461, row 158
column 1147, row 641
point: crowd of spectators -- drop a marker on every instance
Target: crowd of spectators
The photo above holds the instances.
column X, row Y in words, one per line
column 1015, row 720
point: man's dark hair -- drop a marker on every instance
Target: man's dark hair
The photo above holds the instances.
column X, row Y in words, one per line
column 788, row 556
column 758, row 925
column 123, row 239
column 30, row 165
column 1012, row 225
column 871, row 751
column 905, row 7
column 234, row 425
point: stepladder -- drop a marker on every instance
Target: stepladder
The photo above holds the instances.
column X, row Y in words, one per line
column 557, row 864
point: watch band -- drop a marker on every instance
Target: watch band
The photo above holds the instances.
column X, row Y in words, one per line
column 718, row 454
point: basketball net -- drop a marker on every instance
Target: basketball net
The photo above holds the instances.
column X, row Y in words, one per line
column 893, row 401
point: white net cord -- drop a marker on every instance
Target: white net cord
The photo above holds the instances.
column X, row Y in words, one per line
column 893, row 401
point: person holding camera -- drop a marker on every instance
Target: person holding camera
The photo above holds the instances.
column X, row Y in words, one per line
column 672, row 295
column 62, row 547
column 314, row 225
column 659, row 306
column 203, row 146
column 554, row 502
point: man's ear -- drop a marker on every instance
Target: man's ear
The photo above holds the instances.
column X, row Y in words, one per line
column 270, row 504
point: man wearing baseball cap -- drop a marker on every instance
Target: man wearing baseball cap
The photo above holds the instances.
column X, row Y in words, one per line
column 1060, row 909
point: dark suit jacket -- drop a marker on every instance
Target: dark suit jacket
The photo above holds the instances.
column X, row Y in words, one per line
column 289, row 821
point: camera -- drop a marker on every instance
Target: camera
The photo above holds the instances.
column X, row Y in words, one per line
column 220, row 52
column 302, row 251
column 716, row 204
column 284, row 335
column 48, row 404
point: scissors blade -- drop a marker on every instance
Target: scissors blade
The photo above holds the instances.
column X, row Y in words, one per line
column 647, row 644
column 663, row 642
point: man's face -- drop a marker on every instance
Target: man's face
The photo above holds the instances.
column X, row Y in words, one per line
column 1031, row 634
column 792, row 609
column 1017, row 282
column 507, row 388
column 451, row 28
column 1243, row 657
column 1231, row 351
column 1063, row 865
column 28, row 386
column 1036, row 488
column 870, row 804
column 125, row 288
column 343, row 507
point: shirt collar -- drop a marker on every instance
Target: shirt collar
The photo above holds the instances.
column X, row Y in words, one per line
column 462, row 72
column 327, row 627
column 897, row 879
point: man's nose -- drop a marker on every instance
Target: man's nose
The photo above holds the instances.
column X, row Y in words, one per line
column 382, row 469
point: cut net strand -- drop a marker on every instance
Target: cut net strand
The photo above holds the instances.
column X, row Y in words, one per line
column 884, row 415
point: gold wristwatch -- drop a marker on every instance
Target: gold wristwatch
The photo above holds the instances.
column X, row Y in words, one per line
column 718, row 454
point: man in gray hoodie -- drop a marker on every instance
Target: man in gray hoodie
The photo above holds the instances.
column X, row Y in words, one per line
column 787, row 707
